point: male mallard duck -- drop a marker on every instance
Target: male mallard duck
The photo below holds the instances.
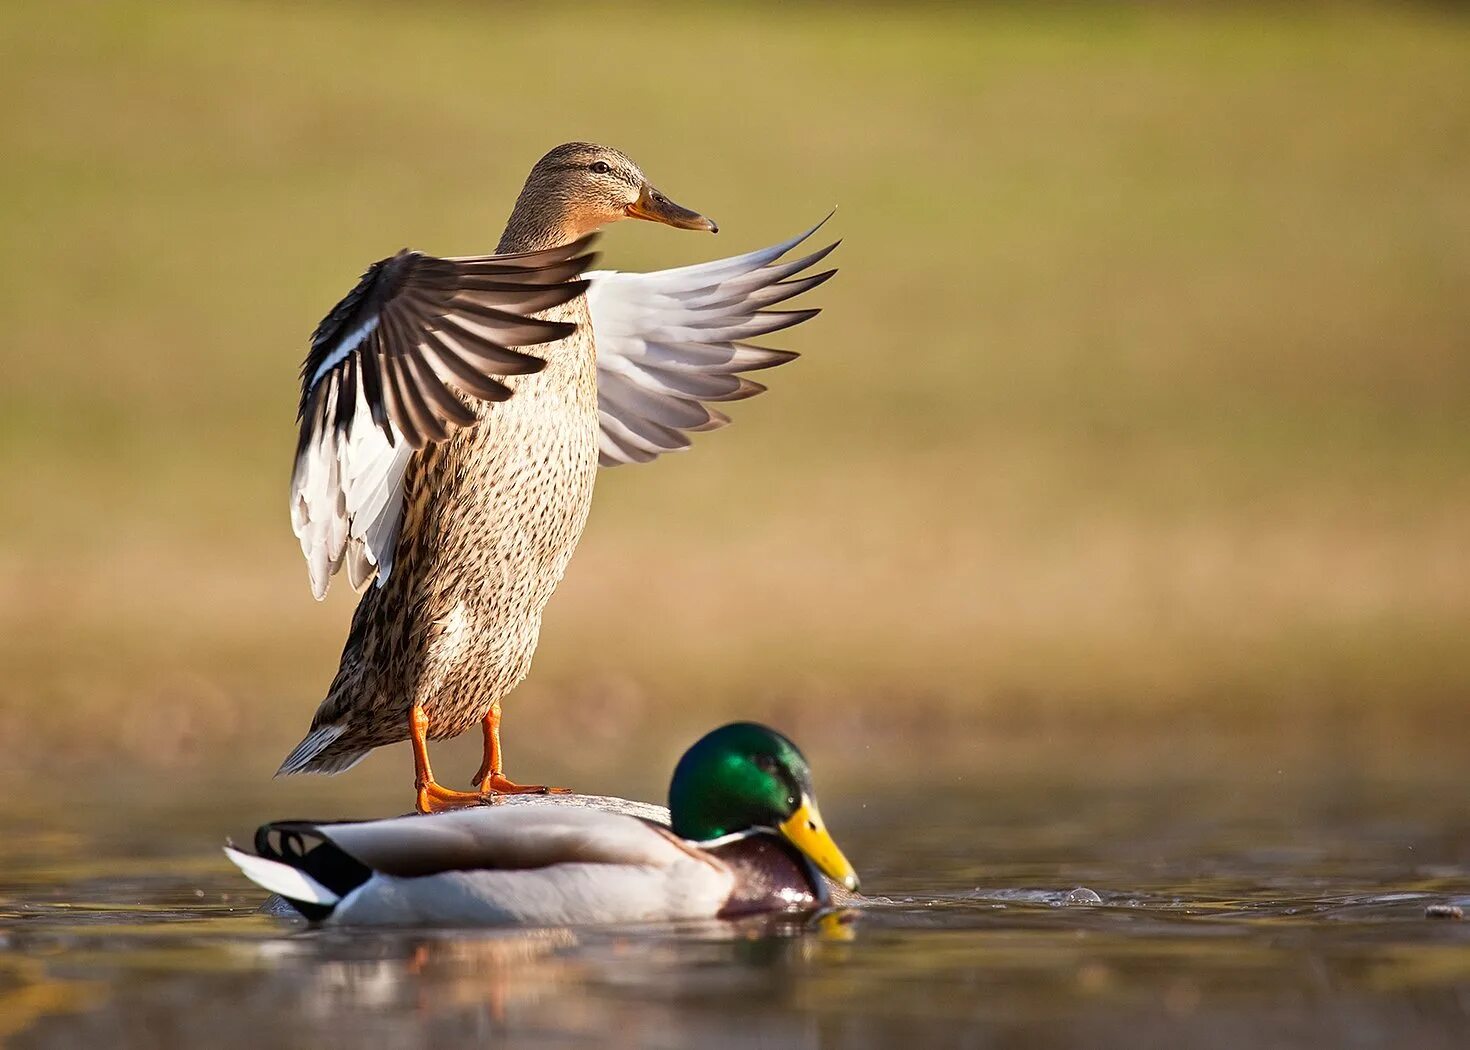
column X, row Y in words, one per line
column 746, row 832
column 456, row 472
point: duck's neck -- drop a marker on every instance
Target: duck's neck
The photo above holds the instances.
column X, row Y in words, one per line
column 537, row 223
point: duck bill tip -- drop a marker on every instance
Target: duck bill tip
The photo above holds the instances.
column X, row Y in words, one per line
column 805, row 830
column 654, row 206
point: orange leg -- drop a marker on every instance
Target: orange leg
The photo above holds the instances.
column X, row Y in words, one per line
column 491, row 779
column 431, row 797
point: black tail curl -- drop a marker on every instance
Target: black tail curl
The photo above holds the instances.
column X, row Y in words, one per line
column 299, row 844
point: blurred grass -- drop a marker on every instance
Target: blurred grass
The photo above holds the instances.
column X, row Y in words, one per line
column 1142, row 393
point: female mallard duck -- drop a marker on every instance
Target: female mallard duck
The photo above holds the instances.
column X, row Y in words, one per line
column 456, row 472
column 746, row 832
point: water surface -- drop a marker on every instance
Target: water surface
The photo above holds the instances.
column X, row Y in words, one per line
column 1228, row 911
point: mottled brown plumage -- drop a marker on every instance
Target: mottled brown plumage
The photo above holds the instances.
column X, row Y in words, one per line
column 494, row 498
column 491, row 519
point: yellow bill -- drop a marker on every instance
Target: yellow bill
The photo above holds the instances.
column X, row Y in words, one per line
column 804, row 830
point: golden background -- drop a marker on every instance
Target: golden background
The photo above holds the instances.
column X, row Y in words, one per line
column 1139, row 406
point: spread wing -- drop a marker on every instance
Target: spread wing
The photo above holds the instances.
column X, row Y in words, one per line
column 388, row 372
column 671, row 341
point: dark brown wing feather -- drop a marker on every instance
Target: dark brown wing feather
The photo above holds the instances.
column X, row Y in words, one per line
column 384, row 331
column 406, row 347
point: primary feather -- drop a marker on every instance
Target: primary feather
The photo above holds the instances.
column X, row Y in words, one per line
column 670, row 342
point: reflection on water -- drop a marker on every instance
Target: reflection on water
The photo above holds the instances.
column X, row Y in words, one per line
column 1225, row 914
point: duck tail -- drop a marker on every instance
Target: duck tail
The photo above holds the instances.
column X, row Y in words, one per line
column 294, row 859
column 323, row 751
column 299, row 889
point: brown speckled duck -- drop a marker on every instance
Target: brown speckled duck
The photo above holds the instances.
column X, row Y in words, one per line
column 454, row 412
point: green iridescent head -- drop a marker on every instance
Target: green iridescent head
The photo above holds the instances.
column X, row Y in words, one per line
column 744, row 776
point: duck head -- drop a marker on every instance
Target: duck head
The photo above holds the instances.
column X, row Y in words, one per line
column 581, row 186
column 746, row 776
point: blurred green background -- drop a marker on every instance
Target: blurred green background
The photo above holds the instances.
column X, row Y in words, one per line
column 1139, row 405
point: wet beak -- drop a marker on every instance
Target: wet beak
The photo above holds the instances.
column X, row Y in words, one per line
column 804, row 830
column 654, row 206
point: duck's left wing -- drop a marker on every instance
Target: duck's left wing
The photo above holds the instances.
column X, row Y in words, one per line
column 671, row 341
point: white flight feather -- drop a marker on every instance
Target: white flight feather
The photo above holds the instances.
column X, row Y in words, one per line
column 664, row 346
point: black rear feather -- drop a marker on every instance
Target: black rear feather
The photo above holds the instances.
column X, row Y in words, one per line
column 300, row 845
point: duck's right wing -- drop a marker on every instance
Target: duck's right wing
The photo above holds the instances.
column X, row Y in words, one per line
column 387, row 373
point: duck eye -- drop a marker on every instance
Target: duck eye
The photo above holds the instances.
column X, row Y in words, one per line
column 600, row 167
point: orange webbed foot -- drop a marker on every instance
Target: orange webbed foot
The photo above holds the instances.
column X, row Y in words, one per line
column 434, row 798
column 493, row 784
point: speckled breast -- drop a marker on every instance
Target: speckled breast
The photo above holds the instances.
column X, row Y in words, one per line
column 491, row 521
